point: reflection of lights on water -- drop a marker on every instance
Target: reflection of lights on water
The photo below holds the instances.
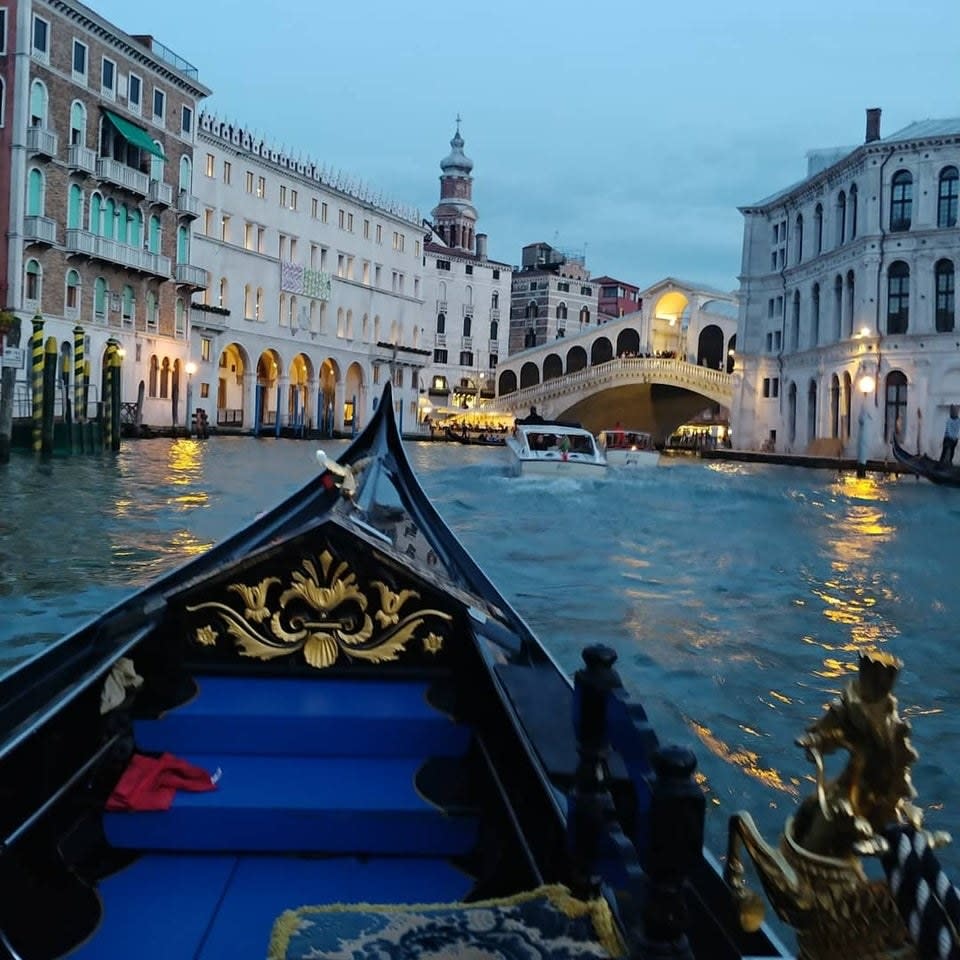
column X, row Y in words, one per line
column 747, row 760
column 185, row 543
column 185, row 460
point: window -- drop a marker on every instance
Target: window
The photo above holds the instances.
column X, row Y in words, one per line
column 262, row 187
column 350, row 222
column 314, row 207
column 100, row 299
column 225, row 228
column 945, row 281
column 398, row 241
column 901, row 200
column 818, row 229
column 898, row 297
column 379, row 233
column 467, row 325
column 896, row 406
column 366, row 229
column 205, row 344
column 249, row 181
column 366, row 272
column 841, row 218
column 3, row 30
column 293, row 199
column 227, row 172
column 443, row 265
column 258, row 306
column 441, row 323
column 186, row 120
column 108, row 78
column 440, row 356
column 72, row 296
column 211, row 165
column 3, row 97
column 496, row 274
column 35, row 193
column 947, row 197
column 494, row 329
column 180, row 318
column 852, row 211
column 159, row 106
column 469, row 269
column 75, row 207
column 127, row 305
column 41, row 38
column 134, row 87
column 261, row 239
column 79, row 61
column 207, row 222
column 151, row 310
column 222, row 297
column 249, row 238
column 283, row 195
column 323, row 213
column 466, row 358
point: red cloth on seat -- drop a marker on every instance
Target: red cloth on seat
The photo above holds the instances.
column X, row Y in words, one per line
column 149, row 783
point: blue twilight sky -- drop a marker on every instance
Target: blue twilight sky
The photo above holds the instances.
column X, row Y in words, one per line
column 630, row 130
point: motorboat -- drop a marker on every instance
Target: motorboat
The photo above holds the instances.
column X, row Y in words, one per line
column 629, row 448
column 551, row 448
column 331, row 735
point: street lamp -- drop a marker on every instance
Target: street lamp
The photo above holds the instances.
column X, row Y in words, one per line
column 866, row 385
column 191, row 369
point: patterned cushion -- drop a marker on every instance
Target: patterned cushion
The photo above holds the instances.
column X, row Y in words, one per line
column 547, row 923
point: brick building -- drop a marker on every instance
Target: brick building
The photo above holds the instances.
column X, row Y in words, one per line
column 615, row 298
column 101, row 128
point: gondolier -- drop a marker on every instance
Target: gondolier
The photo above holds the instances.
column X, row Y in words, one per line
column 951, row 432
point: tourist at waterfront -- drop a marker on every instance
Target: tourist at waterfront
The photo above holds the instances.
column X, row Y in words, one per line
column 950, row 434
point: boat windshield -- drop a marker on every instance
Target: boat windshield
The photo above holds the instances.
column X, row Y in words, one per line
column 568, row 442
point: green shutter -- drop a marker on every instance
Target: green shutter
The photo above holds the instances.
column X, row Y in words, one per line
column 133, row 134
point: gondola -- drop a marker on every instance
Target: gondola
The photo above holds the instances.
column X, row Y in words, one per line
column 331, row 734
column 924, row 466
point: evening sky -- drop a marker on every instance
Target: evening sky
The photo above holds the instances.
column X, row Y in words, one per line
column 628, row 131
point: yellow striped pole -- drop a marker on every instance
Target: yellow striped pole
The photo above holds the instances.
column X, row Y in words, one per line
column 116, row 361
column 106, row 406
column 36, row 346
column 49, row 394
column 79, row 401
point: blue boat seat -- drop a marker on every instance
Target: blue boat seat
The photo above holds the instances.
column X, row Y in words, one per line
column 306, row 717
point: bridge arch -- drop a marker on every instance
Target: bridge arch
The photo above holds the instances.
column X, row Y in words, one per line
column 628, row 341
column 731, row 353
column 710, row 352
column 576, row 359
column 552, row 367
column 601, row 350
column 529, row 375
column 507, row 383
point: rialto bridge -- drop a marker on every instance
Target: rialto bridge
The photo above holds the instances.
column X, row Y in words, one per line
column 651, row 370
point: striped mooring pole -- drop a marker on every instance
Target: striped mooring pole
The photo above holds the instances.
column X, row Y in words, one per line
column 79, row 400
column 49, row 394
column 106, row 406
column 36, row 348
column 116, row 361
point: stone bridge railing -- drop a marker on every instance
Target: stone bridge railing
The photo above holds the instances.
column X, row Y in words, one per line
column 716, row 385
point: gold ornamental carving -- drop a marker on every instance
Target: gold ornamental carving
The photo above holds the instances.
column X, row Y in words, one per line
column 815, row 879
column 323, row 613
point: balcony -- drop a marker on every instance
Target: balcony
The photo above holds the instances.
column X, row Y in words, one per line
column 42, row 140
column 494, row 313
column 161, row 193
column 84, row 243
column 466, row 343
column 82, row 159
column 203, row 317
column 39, row 230
column 188, row 205
column 188, row 275
column 441, row 306
column 120, row 175
column 440, row 340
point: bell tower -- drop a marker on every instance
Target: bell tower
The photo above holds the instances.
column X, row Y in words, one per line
column 455, row 217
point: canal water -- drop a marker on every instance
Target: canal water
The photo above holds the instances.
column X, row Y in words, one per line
column 737, row 595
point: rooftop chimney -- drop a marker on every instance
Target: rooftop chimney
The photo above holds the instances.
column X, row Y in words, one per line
column 873, row 124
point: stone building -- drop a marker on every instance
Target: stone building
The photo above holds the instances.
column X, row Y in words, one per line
column 550, row 294
column 465, row 293
column 99, row 180
column 847, row 295
column 316, row 290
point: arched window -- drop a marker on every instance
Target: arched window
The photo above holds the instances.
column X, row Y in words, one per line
column 259, row 305
column 165, row 378
column 151, row 310
column 467, row 324
column 441, row 323
column 222, row 293
column 292, row 313
column 901, row 200
column 38, row 104
column 156, row 164
column 945, row 280
column 898, row 297
column 34, row 282
column 350, row 328
column 895, row 413
column 561, row 311
column 127, row 305
column 247, row 300
column 837, row 307
column 341, row 329
column 495, row 300
column 180, row 317
column 815, row 314
column 841, row 218
column 532, row 310
column 100, row 300
column 795, row 321
column 494, row 331
column 818, row 229
column 152, row 380
column 3, row 100
column 154, row 243
column 468, row 292
column 136, row 228
column 186, row 174
column 792, row 413
column 584, row 317
column 852, row 204
column 183, row 247
column 109, row 218
column 75, row 208
column 78, row 124
column 947, row 197
column 123, row 223
column 71, row 299
column 35, row 192
column 376, row 328
column 798, row 238
column 849, row 303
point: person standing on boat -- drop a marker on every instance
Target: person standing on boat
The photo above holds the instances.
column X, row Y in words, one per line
column 951, row 432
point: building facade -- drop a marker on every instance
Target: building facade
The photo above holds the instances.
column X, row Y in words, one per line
column 465, row 293
column 848, row 311
column 101, row 133
column 551, row 293
column 615, row 298
column 315, row 293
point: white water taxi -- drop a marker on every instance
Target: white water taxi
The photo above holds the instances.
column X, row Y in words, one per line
column 629, row 448
column 554, row 449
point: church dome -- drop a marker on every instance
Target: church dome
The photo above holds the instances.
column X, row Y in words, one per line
column 456, row 162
